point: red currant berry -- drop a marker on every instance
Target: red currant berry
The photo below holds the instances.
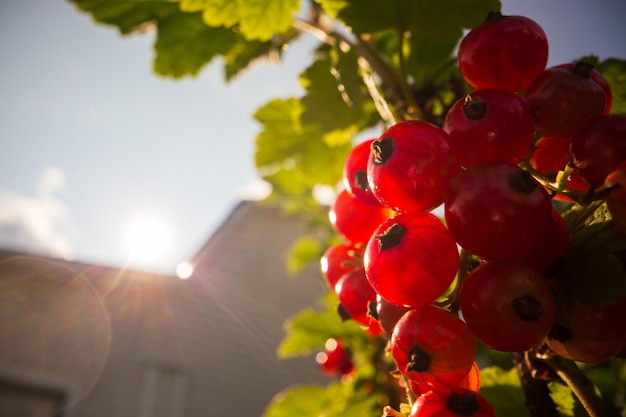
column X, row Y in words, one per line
column 388, row 314
column 355, row 173
column 564, row 100
column 455, row 402
column 505, row 52
column 335, row 360
column 411, row 259
column 432, row 346
column 551, row 248
column 339, row 259
column 471, row 381
column 599, row 79
column 598, row 147
column 593, row 333
column 355, row 221
column 411, row 165
column 498, row 211
column 490, row 125
column 355, row 296
column 507, row 305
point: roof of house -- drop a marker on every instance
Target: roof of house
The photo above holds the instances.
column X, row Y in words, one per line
column 97, row 330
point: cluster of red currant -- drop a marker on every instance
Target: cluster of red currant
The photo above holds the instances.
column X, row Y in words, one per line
column 526, row 136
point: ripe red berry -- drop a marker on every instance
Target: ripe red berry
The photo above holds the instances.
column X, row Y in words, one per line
column 563, row 100
column 598, row 147
column 432, row 346
column 471, row 381
column 507, row 305
column 592, row 334
column 411, row 165
column 490, row 125
column 455, row 402
column 339, row 259
column 355, row 221
column 335, row 359
column 498, row 211
column 355, row 296
column 551, row 248
column 388, row 314
column 355, row 173
column 599, row 79
column 411, row 259
column 505, row 52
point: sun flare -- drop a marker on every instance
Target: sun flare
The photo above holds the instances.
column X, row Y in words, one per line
column 147, row 239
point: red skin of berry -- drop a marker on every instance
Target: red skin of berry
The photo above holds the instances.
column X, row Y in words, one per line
column 339, row 259
column 563, row 100
column 355, row 295
column 487, row 300
column 490, row 125
column 497, row 211
column 443, row 337
column 471, row 381
column 417, row 170
column 550, row 157
column 506, row 53
column 354, row 220
column 335, row 361
column 388, row 314
column 437, row 404
column 551, row 248
column 598, row 147
column 419, row 268
column 599, row 79
column 596, row 333
column 355, row 173
column 616, row 198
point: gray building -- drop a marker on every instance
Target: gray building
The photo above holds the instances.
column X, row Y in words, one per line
column 81, row 340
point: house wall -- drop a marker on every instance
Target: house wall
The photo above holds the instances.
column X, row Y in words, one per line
column 124, row 343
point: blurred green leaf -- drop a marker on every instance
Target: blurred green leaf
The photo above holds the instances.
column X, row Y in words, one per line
column 503, row 391
column 127, row 16
column 309, row 329
column 614, row 71
column 435, row 26
column 335, row 400
column 566, row 402
column 184, row 45
column 256, row 19
column 304, row 251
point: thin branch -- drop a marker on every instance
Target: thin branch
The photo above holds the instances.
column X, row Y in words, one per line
column 538, row 400
column 413, row 110
column 578, row 383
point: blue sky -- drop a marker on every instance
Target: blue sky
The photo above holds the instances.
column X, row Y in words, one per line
column 91, row 139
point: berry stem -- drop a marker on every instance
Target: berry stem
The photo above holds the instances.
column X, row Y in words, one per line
column 538, row 400
column 582, row 388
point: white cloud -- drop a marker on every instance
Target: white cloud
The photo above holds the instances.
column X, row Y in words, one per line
column 37, row 223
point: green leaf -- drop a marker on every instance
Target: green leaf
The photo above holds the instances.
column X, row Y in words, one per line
column 593, row 271
column 614, row 71
column 304, row 251
column 503, row 391
column 285, row 144
column 256, row 19
column 184, row 44
column 336, row 102
column 309, row 330
column 245, row 54
column 565, row 400
column 127, row 16
column 335, row 400
column 435, row 26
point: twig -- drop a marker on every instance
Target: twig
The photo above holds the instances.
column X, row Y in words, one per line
column 582, row 388
column 538, row 400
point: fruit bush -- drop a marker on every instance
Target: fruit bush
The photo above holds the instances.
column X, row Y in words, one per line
column 474, row 251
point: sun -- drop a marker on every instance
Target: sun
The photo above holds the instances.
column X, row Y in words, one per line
column 147, row 239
